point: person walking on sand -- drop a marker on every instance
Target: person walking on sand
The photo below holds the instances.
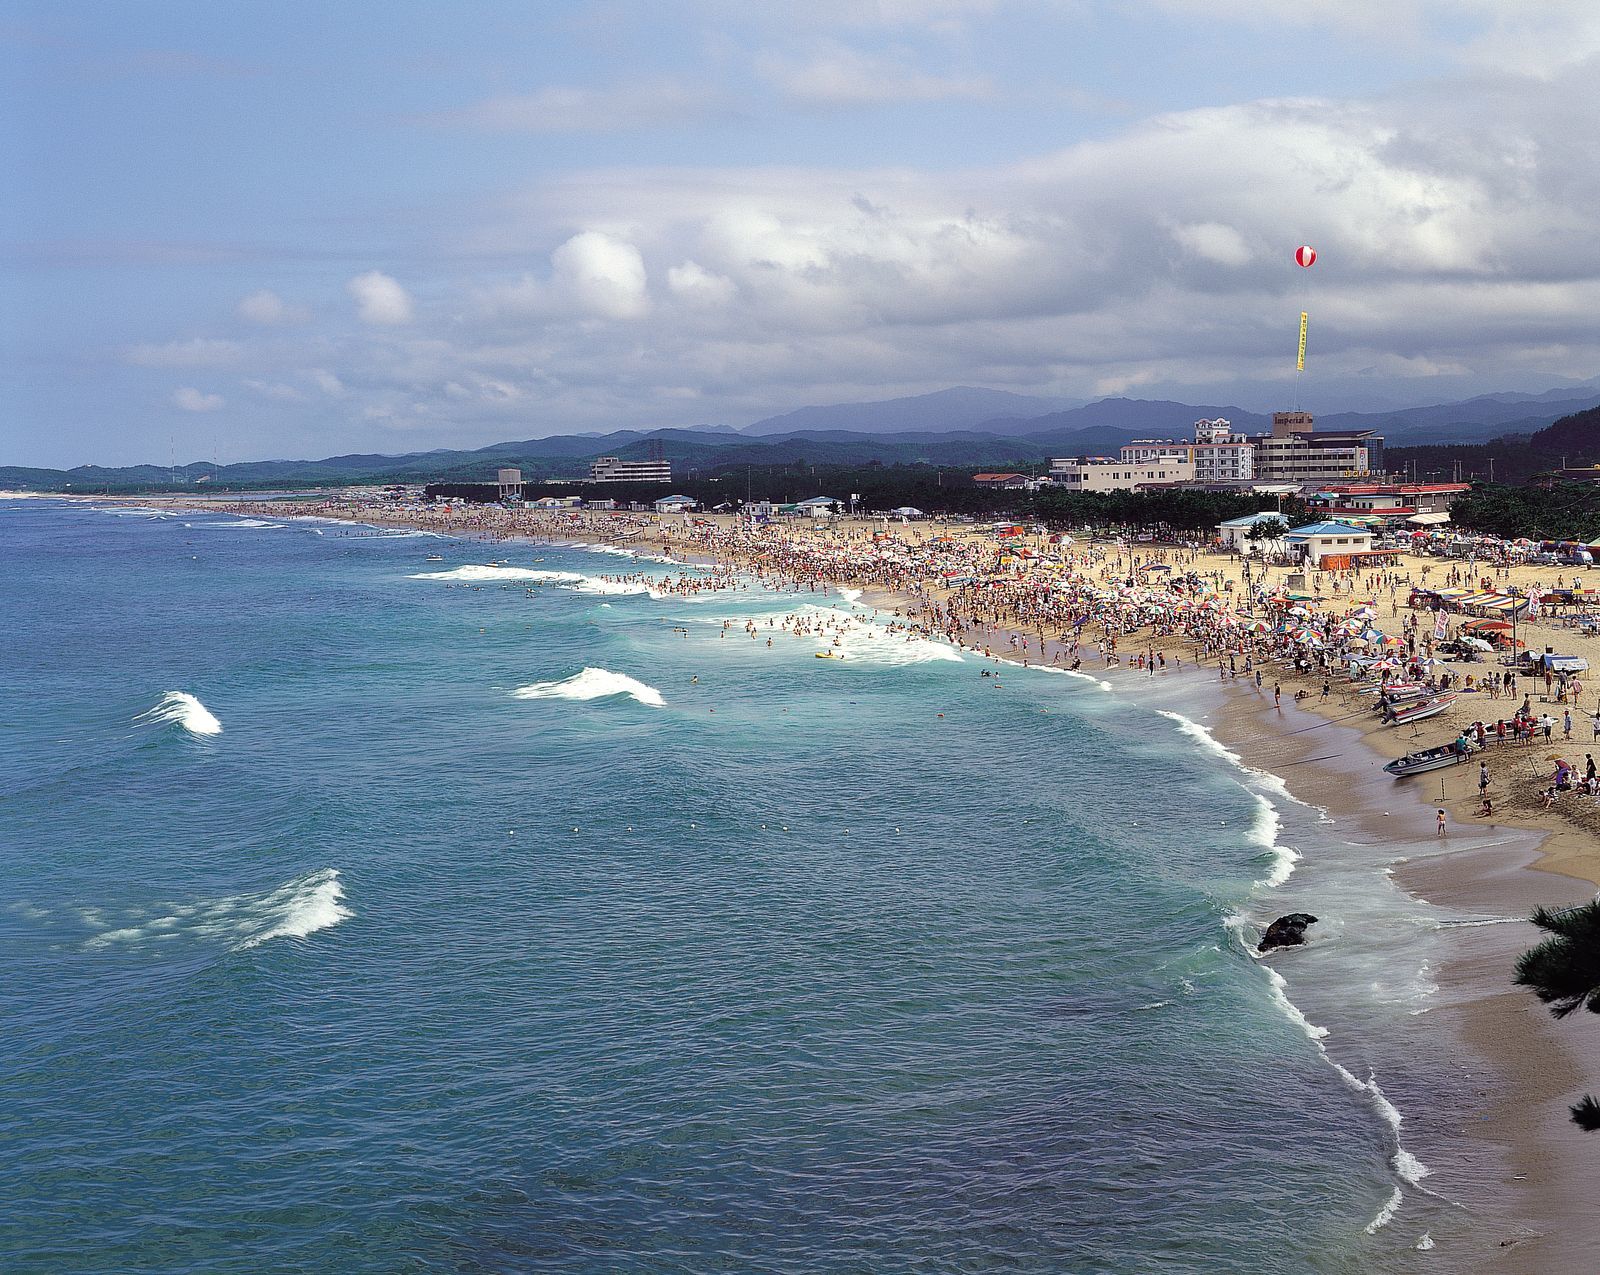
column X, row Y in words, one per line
column 1483, row 777
column 1566, row 724
column 1277, row 695
column 1439, row 823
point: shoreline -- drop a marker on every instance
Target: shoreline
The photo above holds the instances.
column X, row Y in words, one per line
column 1536, row 1064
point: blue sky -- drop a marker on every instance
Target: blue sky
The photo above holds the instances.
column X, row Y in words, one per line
column 253, row 230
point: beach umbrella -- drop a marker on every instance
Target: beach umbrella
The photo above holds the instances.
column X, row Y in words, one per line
column 1478, row 643
column 1363, row 613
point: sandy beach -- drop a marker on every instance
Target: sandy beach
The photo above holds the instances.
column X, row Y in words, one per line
column 1534, row 1165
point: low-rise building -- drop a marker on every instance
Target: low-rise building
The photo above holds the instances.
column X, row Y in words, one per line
column 1235, row 532
column 1394, row 501
column 676, row 504
column 1007, row 482
column 1105, row 474
column 1320, row 542
column 818, row 507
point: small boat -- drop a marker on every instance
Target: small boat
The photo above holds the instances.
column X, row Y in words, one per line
column 1417, row 710
column 434, row 557
column 1428, row 759
column 829, row 655
column 1404, row 695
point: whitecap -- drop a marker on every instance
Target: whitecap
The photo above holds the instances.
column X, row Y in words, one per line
column 184, row 710
column 1292, row 1011
column 1070, row 672
column 613, row 588
column 592, row 683
column 486, row 573
column 246, row 524
column 1387, row 1212
column 296, row 909
column 1271, row 782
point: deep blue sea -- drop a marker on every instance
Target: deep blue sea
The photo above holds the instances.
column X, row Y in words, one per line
column 753, row 962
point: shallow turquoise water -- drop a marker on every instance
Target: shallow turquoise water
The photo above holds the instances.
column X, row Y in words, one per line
column 399, row 971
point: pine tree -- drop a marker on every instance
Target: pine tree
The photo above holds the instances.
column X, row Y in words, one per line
column 1564, row 973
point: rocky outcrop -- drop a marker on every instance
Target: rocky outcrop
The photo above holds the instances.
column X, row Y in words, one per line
column 1287, row 931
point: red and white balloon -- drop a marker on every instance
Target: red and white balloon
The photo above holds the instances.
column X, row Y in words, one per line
column 1305, row 254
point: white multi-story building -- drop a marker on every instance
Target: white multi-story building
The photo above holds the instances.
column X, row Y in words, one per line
column 1217, row 453
column 612, row 469
column 1103, row 474
column 1295, row 452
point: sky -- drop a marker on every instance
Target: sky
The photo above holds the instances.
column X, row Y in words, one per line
column 289, row 229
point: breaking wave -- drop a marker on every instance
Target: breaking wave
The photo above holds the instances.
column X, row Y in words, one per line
column 182, row 709
column 592, row 683
column 294, row 910
column 481, row 574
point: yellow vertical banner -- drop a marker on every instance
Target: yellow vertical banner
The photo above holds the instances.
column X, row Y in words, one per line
column 1300, row 363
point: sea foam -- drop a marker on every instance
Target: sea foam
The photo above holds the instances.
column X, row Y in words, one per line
column 487, row 573
column 182, row 709
column 296, row 909
column 593, row 683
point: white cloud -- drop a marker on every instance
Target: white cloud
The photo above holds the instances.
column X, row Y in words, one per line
column 570, row 109
column 694, row 283
column 380, row 299
column 269, row 309
column 1213, row 241
column 601, row 276
column 193, row 400
column 326, row 381
column 276, row 390
column 849, row 77
column 199, row 352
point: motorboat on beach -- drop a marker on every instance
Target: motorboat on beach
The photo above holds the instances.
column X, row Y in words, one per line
column 1417, row 710
column 1427, row 759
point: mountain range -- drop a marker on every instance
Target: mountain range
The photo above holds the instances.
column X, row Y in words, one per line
column 961, row 426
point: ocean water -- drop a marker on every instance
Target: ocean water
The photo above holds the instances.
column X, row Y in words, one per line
column 363, row 913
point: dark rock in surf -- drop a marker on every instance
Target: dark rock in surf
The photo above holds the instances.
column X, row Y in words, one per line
column 1286, row 931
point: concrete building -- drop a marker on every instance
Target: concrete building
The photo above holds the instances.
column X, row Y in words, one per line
column 510, row 482
column 1217, row 453
column 1392, row 501
column 612, row 469
column 1104, row 474
column 1295, row 452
